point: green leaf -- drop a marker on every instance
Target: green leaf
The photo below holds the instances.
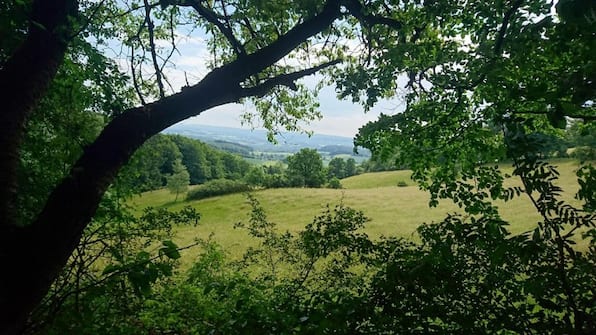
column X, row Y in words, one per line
column 111, row 268
column 169, row 249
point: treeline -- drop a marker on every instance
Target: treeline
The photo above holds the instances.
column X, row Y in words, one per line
column 303, row 169
column 163, row 156
column 153, row 163
column 577, row 141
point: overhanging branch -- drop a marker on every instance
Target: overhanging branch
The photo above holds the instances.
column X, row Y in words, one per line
column 359, row 12
column 287, row 80
column 245, row 67
column 498, row 48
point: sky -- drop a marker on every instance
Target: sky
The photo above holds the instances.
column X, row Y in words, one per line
column 340, row 117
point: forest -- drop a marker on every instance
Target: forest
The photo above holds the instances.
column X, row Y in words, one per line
column 495, row 94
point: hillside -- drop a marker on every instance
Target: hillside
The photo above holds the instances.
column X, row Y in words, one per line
column 256, row 140
column 393, row 211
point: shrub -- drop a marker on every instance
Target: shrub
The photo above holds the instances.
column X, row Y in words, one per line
column 217, row 187
column 334, row 183
column 584, row 153
column 277, row 180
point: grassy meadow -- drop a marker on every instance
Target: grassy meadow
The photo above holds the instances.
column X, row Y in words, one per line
column 393, row 211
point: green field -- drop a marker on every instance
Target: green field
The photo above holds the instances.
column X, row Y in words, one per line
column 393, row 211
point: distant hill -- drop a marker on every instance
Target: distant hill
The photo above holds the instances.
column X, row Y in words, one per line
column 243, row 140
column 237, row 148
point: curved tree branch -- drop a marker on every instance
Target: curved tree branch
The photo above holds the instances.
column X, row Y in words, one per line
column 35, row 254
column 287, row 79
column 359, row 11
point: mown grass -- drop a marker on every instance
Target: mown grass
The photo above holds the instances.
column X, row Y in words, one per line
column 393, row 211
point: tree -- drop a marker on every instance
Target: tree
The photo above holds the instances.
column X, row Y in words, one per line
column 179, row 180
column 205, row 162
column 255, row 176
column 582, row 138
column 305, row 168
column 194, row 157
column 350, row 167
column 150, row 166
column 468, row 69
column 336, row 168
column 34, row 253
column 334, row 182
column 480, row 93
column 247, row 56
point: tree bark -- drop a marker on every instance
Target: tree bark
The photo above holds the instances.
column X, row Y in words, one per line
column 24, row 79
column 33, row 255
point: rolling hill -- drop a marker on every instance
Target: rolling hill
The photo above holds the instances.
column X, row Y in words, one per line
column 392, row 210
column 256, row 140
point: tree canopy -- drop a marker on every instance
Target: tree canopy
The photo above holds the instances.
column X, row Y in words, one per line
column 479, row 76
column 305, row 169
column 179, row 180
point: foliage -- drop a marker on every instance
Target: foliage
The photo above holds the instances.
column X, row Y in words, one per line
column 205, row 163
column 153, row 164
column 350, row 168
column 375, row 164
column 334, row 183
column 584, row 153
column 340, row 168
column 305, row 169
column 217, row 187
column 480, row 93
column 49, row 147
column 276, row 180
column 150, row 165
column 486, row 81
column 336, row 168
column 465, row 80
column 119, row 261
column 582, row 139
column 255, row 176
column 179, row 180
column 467, row 274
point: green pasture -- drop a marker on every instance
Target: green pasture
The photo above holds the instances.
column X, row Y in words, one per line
column 393, row 210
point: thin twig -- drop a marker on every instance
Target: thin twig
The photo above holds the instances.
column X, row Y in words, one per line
column 150, row 27
column 287, row 79
column 135, row 81
column 214, row 19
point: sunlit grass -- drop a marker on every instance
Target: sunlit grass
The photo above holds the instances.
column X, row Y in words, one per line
column 393, row 210
column 377, row 179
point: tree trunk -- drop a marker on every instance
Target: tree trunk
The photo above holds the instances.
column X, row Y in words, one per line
column 24, row 79
column 32, row 256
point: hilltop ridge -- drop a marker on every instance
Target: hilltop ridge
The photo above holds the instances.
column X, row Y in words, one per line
column 256, row 139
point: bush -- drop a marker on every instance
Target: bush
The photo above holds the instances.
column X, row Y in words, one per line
column 401, row 183
column 584, row 153
column 277, row 180
column 334, row 183
column 217, row 187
